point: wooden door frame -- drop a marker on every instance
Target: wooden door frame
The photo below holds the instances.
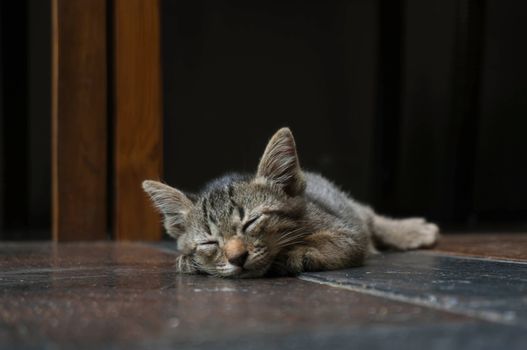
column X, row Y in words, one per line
column 81, row 150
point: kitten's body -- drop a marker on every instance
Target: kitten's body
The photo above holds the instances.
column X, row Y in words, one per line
column 281, row 221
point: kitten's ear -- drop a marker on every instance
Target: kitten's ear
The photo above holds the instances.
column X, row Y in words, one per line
column 173, row 204
column 279, row 163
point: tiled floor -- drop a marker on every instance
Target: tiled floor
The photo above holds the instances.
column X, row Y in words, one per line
column 107, row 296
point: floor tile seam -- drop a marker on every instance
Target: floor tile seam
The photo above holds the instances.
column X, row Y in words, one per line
column 487, row 316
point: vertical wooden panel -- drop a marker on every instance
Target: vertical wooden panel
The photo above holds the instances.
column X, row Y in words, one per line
column 2, row 180
column 501, row 162
column 362, row 32
column 388, row 112
column 138, row 116
column 427, row 131
column 79, row 119
column 14, row 52
column 39, row 119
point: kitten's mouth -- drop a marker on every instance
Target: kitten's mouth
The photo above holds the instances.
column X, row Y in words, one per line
column 232, row 271
column 250, row 269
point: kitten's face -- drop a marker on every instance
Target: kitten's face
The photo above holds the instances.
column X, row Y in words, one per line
column 237, row 226
column 237, row 229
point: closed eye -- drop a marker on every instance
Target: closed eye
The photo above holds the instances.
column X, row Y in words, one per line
column 207, row 248
column 249, row 223
column 209, row 243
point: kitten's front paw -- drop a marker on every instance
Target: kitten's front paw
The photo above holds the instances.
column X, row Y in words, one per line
column 302, row 259
column 419, row 233
column 184, row 264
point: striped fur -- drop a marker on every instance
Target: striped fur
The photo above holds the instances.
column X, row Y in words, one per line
column 279, row 221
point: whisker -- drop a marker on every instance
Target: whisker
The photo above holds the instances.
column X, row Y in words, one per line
column 289, row 244
column 291, row 236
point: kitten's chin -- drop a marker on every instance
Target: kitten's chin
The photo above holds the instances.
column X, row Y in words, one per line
column 250, row 270
column 238, row 272
column 230, row 271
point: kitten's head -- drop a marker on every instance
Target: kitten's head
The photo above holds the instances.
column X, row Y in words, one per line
column 238, row 224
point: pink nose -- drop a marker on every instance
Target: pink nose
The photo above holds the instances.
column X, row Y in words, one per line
column 236, row 251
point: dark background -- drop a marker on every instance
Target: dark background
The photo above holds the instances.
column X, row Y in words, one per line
column 418, row 107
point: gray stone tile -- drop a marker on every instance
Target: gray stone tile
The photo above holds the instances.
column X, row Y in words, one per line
column 437, row 337
column 124, row 295
column 491, row 290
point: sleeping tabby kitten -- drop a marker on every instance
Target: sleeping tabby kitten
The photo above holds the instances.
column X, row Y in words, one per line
column 282, row 220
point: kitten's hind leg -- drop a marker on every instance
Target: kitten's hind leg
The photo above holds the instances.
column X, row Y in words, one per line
column 403, row 234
